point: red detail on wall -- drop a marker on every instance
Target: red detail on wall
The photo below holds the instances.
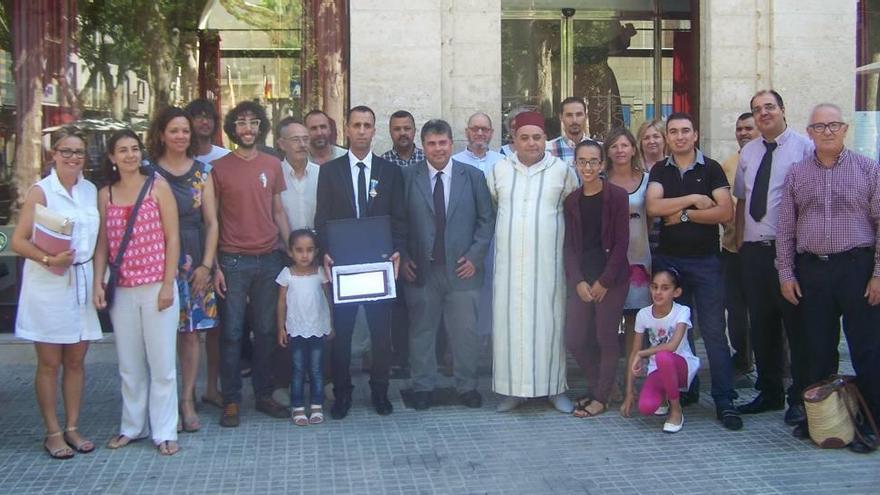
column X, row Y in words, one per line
column 682, row 63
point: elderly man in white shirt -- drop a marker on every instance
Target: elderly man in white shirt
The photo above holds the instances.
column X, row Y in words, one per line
column 300, row 174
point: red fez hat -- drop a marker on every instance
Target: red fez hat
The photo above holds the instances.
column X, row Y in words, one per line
column 527, row 118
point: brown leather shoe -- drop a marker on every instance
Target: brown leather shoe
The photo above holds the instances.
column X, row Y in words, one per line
column 230, row 417
column 269, row 407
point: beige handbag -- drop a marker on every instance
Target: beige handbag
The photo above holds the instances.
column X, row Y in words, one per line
column 834, row 407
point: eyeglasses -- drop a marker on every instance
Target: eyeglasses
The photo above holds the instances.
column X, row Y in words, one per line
column 255, row 123
column 591, row 163
column 484, row 130
column 767, row 107
column 67, row 153
column 819, row 127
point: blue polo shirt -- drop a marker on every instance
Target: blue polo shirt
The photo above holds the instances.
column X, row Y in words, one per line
column 704, row 176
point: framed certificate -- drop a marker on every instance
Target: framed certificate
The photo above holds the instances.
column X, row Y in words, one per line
column 363, row 282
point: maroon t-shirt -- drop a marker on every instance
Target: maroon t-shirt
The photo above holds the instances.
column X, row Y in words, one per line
column 245, row 190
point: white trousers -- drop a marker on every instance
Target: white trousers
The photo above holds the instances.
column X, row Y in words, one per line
column 146, row 346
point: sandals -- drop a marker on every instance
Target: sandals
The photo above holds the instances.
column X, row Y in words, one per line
column 583, row 412
column 60, row 453
column 83, row 446
column 214, row 400
column 583, row 401
column 168, row 447
column 316, row 415
column 189, row 424
column 120, row 441
column 299, row 416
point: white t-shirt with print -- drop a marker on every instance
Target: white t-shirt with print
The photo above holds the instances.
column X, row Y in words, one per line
column 661, row 330
column 308, row 312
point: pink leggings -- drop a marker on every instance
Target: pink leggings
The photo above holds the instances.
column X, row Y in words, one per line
column 664, row 382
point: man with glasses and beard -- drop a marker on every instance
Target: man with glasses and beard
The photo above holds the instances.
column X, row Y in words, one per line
column 248, row 184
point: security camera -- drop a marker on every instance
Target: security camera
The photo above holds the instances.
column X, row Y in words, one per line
column 568, row 12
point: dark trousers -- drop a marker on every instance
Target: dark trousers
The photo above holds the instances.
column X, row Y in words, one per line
column 250, row 279
column 591, row 338
column 379, row 322
column 400, row 329
column 832, row 289
column 770, row 315
column 737, row 312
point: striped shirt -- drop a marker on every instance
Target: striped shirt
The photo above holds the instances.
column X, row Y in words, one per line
column 828, row 210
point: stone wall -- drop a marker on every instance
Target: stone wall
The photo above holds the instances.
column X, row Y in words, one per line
column 805, row 49
column 435, row 58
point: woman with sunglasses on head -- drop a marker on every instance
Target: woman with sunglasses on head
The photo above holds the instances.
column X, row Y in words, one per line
column 171, row 148
column 54, row 309
column 139, row 218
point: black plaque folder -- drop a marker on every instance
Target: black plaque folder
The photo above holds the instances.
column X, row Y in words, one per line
column 361, row 249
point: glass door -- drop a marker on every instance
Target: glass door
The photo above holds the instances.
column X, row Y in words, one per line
column 624, row 64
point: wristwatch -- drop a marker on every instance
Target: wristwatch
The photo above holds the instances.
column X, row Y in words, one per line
column 684, row 216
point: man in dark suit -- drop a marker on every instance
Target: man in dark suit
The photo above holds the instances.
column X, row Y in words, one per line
column 450, row 224
column 357, row 185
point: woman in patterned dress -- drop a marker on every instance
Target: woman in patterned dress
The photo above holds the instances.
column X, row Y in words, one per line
column 172, row 148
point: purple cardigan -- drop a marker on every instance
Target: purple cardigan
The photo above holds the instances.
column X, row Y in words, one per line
column 615, row 236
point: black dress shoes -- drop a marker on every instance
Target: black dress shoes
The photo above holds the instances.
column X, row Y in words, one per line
column 421, row 401
column 382, row 404
column 340, row 407
column 801, row 431
column 762, row 403
column 471, row 399
column 866, row 446
column 795, row 415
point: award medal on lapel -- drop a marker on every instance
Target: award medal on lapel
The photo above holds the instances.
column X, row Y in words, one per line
column 374, row 184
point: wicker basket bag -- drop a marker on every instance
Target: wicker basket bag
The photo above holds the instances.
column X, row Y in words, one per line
column 834, row 407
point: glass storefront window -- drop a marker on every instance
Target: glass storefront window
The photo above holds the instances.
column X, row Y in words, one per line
column 602, row 52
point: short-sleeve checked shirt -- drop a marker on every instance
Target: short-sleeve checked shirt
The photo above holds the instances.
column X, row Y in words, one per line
column 828, row 210
column 394, row 157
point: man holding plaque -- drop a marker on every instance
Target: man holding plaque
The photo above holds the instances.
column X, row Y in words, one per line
column 450, row 223
column 356, row 186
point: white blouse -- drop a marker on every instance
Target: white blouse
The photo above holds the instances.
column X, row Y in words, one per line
column 308, row 311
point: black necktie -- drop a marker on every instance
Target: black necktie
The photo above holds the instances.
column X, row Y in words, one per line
column 758, row 206
column 362, row 191
column 439, row 251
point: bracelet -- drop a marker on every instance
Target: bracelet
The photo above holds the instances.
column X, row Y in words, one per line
column 45, row 260
column 206, row 267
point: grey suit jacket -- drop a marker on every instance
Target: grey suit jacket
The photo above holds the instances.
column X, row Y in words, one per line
column 470, row 221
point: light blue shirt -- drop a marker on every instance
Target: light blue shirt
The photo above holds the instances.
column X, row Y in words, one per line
column 792, row 148
column 484, row 164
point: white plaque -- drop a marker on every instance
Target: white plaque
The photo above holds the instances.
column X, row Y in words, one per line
column 363, row 282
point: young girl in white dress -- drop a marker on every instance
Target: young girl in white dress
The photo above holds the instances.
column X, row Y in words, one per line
column 672, row 365
column 303, row 322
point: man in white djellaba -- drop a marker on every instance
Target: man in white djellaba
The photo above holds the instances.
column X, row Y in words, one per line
column 528, row 188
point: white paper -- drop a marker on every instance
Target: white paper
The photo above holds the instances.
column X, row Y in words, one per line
column 363, row 283
column 356, row 284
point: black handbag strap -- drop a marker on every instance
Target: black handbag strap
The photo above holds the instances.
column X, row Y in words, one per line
column 861, row 406
column 129, row 225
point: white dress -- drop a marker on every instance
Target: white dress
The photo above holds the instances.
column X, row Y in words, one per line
column 308, row 312
column 58, row 309
column 529, row 282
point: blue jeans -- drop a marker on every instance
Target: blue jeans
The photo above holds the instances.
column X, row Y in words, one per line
column 703, row 291
column 250, row 279
column 306, row 354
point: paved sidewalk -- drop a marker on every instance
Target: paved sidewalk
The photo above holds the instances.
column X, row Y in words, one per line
column 442, row 450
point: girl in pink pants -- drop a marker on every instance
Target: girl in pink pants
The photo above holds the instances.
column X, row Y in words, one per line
column 671, row 363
